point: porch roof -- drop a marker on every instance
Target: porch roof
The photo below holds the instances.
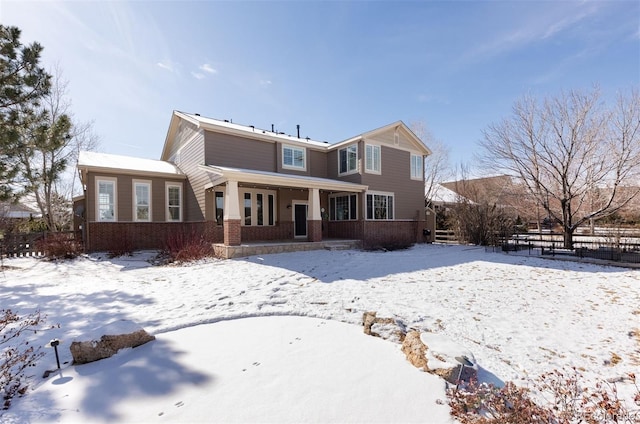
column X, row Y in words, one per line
column 222, row 174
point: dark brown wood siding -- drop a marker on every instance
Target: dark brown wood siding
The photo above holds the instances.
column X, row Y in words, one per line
column 237, row 152
column 396, row 178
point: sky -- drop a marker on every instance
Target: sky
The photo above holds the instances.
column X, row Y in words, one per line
column 336, row 68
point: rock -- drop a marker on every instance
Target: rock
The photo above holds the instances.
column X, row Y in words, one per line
column 385, row 328
column 106, row 341
column 415, row 350
column 447, row 358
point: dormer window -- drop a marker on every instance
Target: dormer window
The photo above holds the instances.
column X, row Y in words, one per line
column 294, row 158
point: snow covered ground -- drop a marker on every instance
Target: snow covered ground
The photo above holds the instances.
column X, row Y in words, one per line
column 519, row 315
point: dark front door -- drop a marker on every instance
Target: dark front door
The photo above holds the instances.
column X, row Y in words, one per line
column 300, row 220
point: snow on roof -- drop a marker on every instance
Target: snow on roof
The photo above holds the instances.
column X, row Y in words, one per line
column 16, row 210
column 126, row 163
column 444, row 195
column 253, row 130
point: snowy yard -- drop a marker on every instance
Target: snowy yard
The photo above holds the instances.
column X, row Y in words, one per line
column 520, row 316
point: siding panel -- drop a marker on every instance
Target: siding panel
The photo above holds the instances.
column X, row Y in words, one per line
column 237, row 152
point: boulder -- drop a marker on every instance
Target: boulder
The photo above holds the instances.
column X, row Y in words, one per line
column 106, row 341
column 448, row 359
column 385, row 328
column 415, row 350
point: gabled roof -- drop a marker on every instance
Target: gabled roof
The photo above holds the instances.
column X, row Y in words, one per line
column 251, row 131
column 17, row 210
column 126, row 164
column 396, row 126
column 222, row 174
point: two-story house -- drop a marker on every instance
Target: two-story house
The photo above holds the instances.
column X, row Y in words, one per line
column 236, row 184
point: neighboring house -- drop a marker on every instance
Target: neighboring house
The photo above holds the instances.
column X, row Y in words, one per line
column 238, row 184
column 17, row 211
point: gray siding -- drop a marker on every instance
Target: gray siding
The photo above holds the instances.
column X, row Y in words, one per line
column 124, row 195
column 185, row 132
column 332, row 166
column 396, row 178
column 190, row 157
column 237, row 152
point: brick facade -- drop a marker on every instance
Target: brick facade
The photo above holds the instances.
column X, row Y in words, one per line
column 314, row 230
column 232, row 232
column 118, row 236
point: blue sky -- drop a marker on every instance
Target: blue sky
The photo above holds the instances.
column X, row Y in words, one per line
column 337, row 68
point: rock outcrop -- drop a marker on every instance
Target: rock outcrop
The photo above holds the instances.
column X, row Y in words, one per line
column 106, row 341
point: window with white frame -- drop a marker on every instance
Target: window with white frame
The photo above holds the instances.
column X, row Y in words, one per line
column 259, row 207
column 174, row 202
column 106, row 199
column 141, row 201
column 343, row 207
column 294, row 157
column 416, row 167
column 348, row 159
column 379, row 206
column 372, row 158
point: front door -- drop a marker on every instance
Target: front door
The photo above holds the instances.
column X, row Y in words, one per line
column 300, row 220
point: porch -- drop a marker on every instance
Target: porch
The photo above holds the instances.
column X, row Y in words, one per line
column 265, row 248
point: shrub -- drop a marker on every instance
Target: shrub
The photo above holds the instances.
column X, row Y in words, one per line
column 564, row 401
column 124, row 245
column 183, row 247
column 16, row 354
column 59, row 246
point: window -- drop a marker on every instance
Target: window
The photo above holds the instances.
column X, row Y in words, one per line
column 343, row 207
column 259, row 207
column 219, row 207
column 294, row 157
column 106, row 200
column 372, row 159
column 416, row 167
column 174, row 202
column 348, row 159
column 379, row 206
column 247, row 209
column 141, row 201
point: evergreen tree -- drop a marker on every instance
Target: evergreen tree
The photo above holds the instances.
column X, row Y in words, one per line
column 23, row 83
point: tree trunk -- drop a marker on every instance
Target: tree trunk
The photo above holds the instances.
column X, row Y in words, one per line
column 568, row 238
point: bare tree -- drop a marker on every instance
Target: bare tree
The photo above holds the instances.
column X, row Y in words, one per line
column 577, row 159
column 52, row 145
column 436, row 166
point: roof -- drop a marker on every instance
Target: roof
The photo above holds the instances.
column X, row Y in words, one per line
column 17, row 210
column 251, row 131
column 223, row 173
column 108, row 162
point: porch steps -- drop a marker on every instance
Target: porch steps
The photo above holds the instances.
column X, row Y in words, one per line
column 338, row 246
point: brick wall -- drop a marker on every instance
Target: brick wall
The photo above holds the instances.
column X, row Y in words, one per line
column 390, row 234
column 117, row 236
column 282, row 231
column 345, row 229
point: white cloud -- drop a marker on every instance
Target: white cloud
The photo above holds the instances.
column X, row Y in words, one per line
column 198, row 75
column 207, row 68
column 167, row 65
column 265, row 82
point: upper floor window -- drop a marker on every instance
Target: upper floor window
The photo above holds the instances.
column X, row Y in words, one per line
column 416, row 167
column 348, row 159
column 372, row 158
column 343, row 207
column 106, row 199
column 379, row 206
column 142, row 201
column 294, row 157
column 174, row 202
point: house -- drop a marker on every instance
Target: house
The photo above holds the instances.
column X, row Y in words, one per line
column 237, row 184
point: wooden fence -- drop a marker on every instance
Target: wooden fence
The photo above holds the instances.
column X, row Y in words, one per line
column 26, row 244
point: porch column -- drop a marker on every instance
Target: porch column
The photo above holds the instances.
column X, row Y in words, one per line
column 232, row 220
column 315, row 216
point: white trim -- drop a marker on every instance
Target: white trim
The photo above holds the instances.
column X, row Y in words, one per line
column 373, row 147
column 348, row 195
column 293, row 149
column 113, row 181
column 168, row 185
column 349, row 171
column 421, row 176
column 380, row 193
column 293, row 218
column 266, row 213
column 134, row 199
